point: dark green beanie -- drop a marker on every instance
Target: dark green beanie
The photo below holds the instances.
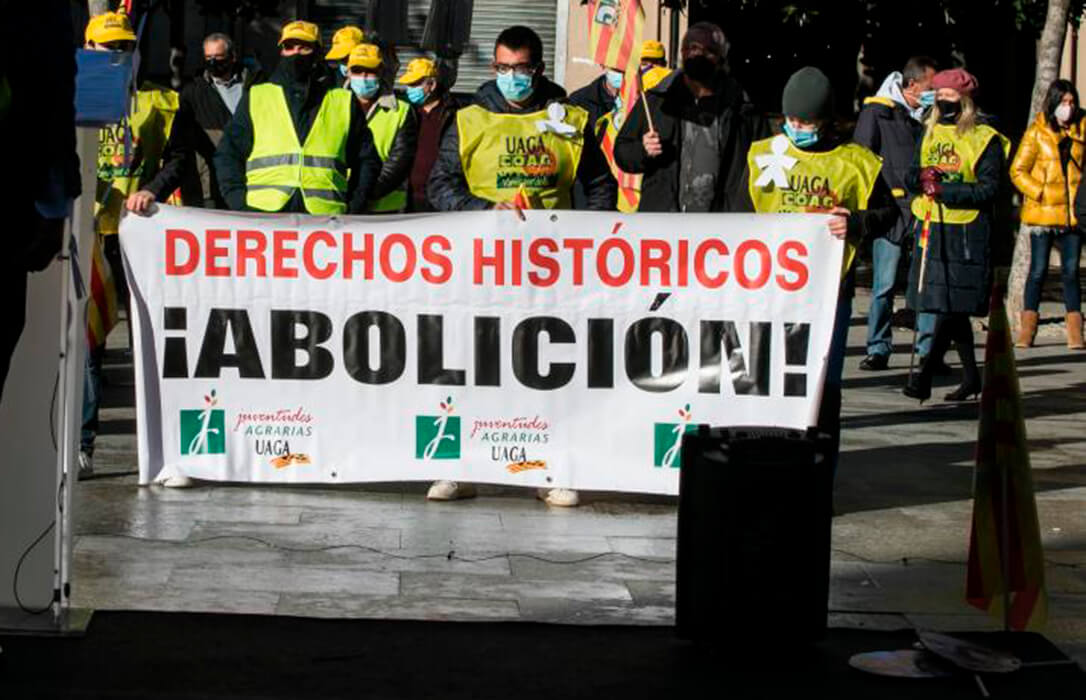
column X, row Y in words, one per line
column 808, row 95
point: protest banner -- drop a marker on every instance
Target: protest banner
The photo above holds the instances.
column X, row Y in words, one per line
column 569, row 349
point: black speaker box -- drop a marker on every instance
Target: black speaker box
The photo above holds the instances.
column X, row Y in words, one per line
column 753, row 560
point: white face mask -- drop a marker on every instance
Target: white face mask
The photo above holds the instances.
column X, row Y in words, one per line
column 1063, row 113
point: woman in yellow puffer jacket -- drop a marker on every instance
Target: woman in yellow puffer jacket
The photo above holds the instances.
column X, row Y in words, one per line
column 1047, row 171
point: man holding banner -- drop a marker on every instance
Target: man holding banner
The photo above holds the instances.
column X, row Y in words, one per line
column 519, row 138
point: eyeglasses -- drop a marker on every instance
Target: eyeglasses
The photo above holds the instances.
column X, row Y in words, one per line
column 522, row 69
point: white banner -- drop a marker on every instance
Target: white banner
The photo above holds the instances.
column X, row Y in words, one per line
column 570, row 349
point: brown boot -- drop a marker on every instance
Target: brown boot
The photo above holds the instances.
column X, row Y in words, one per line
column 1028, row 330
column 1074, row 331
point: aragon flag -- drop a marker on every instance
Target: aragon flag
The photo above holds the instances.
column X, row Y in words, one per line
column 1005, row 553
column 102, row 304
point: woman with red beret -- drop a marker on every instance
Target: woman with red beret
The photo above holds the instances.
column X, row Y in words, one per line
column 956, row 180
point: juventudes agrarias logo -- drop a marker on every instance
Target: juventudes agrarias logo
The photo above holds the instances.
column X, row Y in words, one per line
column 668, row 440
column 438, row 437
column 203, row 430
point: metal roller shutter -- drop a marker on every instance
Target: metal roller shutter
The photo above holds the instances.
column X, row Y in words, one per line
column 489, row 18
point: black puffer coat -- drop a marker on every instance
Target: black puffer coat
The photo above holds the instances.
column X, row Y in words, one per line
column 887, row 129
column 958, row 272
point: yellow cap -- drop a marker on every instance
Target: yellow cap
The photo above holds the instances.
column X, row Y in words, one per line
column 365, row 55
column 654, row 76
column 109, row 26
column 652, row 49
column 418, row 69
column 301, row 31
column 342, row 42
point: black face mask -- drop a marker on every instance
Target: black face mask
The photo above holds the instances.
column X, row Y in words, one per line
column 949, row 111
column 700, row 68
column 300, row 65
column 221, row 69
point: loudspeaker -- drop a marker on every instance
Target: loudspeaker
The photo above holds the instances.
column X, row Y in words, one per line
column 448, row 27
column 753, row 560
column 389, row 19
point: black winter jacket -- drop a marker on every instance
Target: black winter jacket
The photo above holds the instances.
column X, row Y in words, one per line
column 401, row 155
column 448, row 190
column 885, row 127
column 594, row 98
column 958, row 272
column 188, row 160
column 304, row 102
column 672, row 103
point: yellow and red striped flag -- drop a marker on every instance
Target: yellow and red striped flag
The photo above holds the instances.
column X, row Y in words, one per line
column 1005, row 553
column 102, row 301
column 614, row 32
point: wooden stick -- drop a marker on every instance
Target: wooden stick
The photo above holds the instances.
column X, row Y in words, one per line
column 644, row 101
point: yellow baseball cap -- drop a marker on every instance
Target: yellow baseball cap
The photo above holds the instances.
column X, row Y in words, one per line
column 109, row 26
column 365, row 55
column 418, row 69
column 652, row 49
column 301, row 31
column 342, row 42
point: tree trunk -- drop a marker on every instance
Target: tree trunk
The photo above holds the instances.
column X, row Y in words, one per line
column 1049, row 53
column 97, row 7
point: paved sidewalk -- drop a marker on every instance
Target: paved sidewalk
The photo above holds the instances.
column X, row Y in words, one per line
column 903, row 502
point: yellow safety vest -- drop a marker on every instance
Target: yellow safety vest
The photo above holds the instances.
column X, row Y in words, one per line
column 385, row 124
column 956, row 155
column 817, row 182
column 120, row 173
column 278, row 165
column 500, row 153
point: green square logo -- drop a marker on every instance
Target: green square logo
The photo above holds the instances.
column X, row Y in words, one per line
column 437, row 437
column 203, row 431
column 667, row 443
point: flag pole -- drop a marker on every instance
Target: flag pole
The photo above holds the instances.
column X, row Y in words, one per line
column 644, row 101
column 925, row 236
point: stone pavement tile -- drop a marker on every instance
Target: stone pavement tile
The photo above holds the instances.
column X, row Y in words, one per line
column 652, row 593
column 116, row 549
column 508, row 588
column 414, row 517
column 297, row 537
column 595, row 613
column 883, row 622
column 573, row 522
column 117, row 572
column 852, row 589
column 650, row 547
column 107, row 490
column 611, row 567
column 278, row 578
column 1065, row 580
column 920, row 588
column 134, row 522
column 1066, row 626
column 889, row 535
column 396, row 607
column 970, row 620
column 404, row 560
column 348, row 498
column 502, row 541
column 168, row 599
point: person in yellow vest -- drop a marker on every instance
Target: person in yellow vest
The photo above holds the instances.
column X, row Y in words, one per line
column 298, row 117
column 956, row 179
column 343, row 42
column 129, row 156
column 393, row 123
column 472, row 172
column 435, row 107
column 652, row 56
column 518, row 138
column 809, row 168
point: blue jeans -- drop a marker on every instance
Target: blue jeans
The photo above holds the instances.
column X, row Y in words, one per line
column 885, row 257
column 1069, row 241
column 92, row 396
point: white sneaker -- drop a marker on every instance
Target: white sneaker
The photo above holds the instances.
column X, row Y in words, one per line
column 86, row 465
column 179, row 481
column 450, row 491
column 563, row 498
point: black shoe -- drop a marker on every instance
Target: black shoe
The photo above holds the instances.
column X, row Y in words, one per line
column 875, row 363
column 966, row 392
column 917, row 388
column 938, row 367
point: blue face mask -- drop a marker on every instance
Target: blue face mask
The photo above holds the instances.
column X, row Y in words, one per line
column 365, row 86
column 416, row 94
column 801, row 139
column 343, row 72
column 514, row 86
column 614, row 79
column 927, row 98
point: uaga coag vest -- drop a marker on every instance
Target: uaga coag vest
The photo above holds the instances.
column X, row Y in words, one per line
column 956, row 155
